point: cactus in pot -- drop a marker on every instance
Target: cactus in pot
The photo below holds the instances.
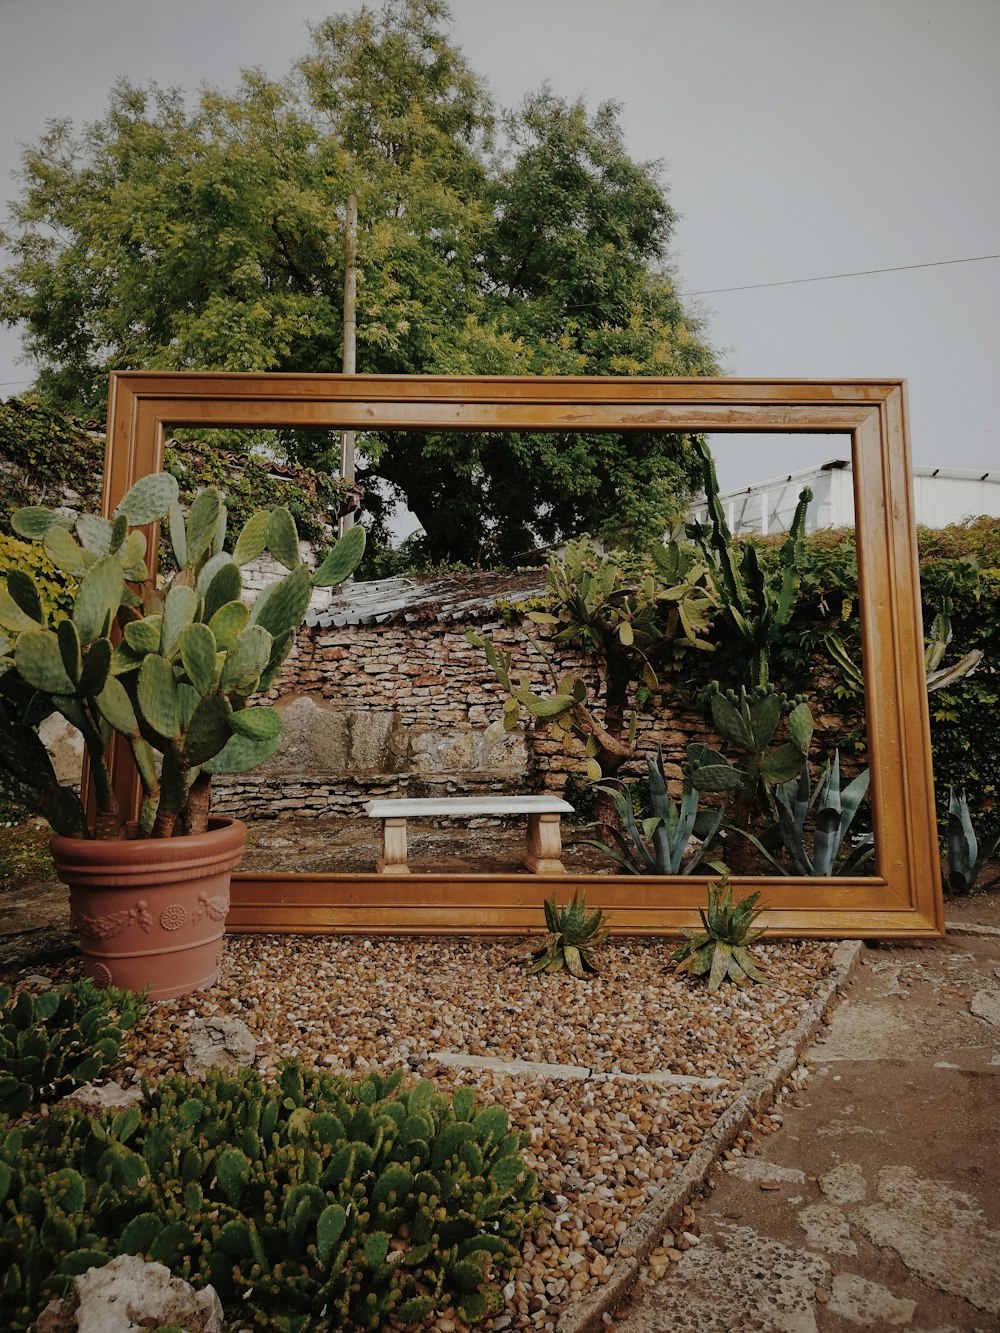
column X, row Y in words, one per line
column 170, row 665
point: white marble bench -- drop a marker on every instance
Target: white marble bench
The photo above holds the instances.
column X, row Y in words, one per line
column 543, row 851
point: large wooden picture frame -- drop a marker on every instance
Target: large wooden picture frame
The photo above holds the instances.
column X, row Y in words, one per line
column 902, row 899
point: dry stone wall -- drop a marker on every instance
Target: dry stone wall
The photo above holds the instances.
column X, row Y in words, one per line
column 413, row 709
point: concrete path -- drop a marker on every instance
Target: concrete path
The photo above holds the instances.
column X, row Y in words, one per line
column 875, row 1202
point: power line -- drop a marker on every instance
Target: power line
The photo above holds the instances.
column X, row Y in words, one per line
column 830, row 277
column 788, row 282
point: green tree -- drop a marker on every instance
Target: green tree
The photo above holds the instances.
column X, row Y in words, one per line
column 210, row 236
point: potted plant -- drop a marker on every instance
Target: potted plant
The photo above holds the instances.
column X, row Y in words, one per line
column 173, row 665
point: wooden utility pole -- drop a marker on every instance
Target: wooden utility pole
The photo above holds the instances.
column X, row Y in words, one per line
column 350, row 362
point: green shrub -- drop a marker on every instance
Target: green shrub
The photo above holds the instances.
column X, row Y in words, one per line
column 309, row 1203
column 46, row 454
column 55, row 588
column 53, row 1042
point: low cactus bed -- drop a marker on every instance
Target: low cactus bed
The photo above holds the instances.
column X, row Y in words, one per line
column 309, row 1203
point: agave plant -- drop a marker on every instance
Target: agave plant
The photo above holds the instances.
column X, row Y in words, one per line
column 573, row 937
column 966, row 858
column 722, row 948
column 172, row 666
column 835, row 812
column 657, row 845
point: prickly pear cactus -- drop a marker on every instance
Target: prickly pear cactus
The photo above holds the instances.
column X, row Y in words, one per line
column 170, row 668
column 308, row 1202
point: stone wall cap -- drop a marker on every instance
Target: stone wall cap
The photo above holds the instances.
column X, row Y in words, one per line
column 428, row 599
column 428, row 806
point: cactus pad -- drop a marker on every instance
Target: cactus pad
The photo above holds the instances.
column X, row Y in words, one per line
column 94, row 533
column 283, row 538
column 34, row 522
column 116, row 706
column 65, row 552
column 281, row 606
column 24, row 591
column 39, row 662
column 203, row 520
column 208, row 731
column 178, row 535
column 98, row 598
column 197, row 652
column 149, row 499
column 224, row 586
column 261, row 723
column 252, row 541
column 241, row 754
column 179, row 610
column 227, row 623
column 158, row 697
column 341, row 560
column 246, row 660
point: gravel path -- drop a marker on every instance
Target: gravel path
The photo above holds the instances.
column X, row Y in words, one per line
column 625, row 1073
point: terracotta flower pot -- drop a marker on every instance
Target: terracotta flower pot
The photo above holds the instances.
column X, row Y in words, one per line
column 151, row 910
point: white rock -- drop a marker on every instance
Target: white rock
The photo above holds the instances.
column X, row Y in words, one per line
column 868, row 1304
column 754, row 1170
column 826, row 1229
column 128, row 1295
column 961, row 1257
column 986, row 1004
column 225, row 1043
column 92, row 1097
column 844, row 1183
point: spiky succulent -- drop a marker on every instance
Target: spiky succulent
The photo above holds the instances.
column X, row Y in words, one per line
column 171, row 667
column 722, row 949
column 966, row 858
column 573, row 936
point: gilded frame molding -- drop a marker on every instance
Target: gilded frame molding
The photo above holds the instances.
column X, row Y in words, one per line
column 902, row 899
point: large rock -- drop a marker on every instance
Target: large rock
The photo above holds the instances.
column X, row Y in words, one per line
column 92, row 1098
column 128, row 1295
column 219, row 1043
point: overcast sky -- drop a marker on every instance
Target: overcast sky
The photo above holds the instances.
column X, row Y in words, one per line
column 799, row 138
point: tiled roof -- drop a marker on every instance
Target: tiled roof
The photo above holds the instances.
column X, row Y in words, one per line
column 455, row 597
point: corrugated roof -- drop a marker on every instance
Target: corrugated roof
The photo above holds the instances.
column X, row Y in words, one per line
column 428, row 599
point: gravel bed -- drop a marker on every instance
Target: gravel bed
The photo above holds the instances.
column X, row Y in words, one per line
column 605, row 1136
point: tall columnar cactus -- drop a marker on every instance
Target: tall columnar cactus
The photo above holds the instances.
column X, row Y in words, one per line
column 754, row 609
column 171, row 666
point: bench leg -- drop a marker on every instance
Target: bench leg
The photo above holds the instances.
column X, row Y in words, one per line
column 544, row 846
column 393, row 858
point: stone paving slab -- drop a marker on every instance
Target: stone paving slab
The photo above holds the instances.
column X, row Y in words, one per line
column 875, row 1204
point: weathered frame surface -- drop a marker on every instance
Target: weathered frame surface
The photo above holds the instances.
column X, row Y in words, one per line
column 902, row 899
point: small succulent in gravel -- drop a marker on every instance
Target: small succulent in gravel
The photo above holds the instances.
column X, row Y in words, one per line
column 573, row 936
column 722, row 949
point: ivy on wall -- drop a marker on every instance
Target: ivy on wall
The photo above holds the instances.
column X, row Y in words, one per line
column 47, row 458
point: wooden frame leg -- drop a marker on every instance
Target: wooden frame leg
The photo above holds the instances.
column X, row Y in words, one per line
column 392, row 861
column 543, row 853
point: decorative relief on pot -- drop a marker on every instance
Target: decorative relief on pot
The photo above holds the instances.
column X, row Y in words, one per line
column 110, row 924
column 101, row 976
column 216, row 908
column 173, row 917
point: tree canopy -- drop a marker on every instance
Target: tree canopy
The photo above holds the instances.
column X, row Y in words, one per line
column 211, row 236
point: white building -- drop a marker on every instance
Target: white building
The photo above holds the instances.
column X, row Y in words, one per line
column 941, row 495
